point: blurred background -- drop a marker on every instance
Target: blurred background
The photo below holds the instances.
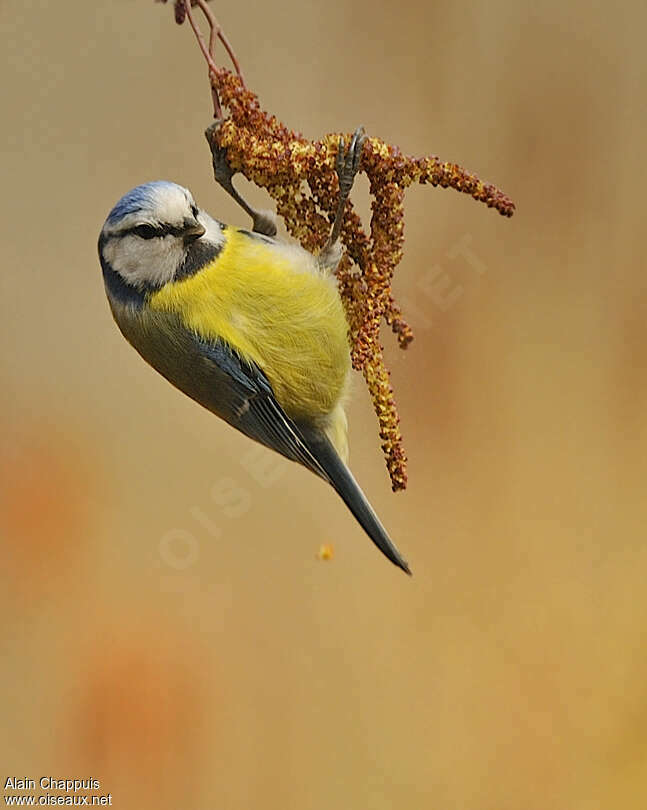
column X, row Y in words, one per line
column 166, row 625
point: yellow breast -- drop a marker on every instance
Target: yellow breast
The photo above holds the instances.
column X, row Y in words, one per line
column 273, row 305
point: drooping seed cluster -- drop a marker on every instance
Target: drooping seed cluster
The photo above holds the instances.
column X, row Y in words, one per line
column 300, row 176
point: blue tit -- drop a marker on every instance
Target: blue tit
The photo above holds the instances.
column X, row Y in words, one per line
column 248, row 326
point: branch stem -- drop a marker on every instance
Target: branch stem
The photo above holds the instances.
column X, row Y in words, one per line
column 207, row 53
column 215, row 30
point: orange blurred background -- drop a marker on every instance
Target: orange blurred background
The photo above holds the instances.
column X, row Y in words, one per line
column 167, row 627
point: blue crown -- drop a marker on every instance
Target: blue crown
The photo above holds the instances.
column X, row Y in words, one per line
column 140, row 198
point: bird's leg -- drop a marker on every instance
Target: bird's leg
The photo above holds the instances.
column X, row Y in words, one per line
column 346, row 166
column 264, row 221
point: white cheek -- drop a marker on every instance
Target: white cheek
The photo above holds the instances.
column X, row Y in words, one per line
column 143, row 262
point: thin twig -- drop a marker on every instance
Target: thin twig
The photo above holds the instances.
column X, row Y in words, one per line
column 206, row 52
column 212, row 41
column 216, row 31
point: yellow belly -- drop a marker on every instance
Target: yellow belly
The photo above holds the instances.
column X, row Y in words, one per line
column 272, row 304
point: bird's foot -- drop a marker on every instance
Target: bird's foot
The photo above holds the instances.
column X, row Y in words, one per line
column 348, row 160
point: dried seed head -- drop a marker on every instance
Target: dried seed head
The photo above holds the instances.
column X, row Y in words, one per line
column 300, row 176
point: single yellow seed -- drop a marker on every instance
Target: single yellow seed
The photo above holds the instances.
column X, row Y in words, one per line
column 326, row 552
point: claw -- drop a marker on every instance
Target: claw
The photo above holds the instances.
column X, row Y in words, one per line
column 222, row 171
column 346, row 165
column 356, row 147
column 347, row 161
column 341, row 158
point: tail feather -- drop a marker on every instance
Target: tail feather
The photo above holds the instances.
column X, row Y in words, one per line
column 347, row 487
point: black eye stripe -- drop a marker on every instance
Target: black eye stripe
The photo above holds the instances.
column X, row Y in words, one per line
column 154, row 231
column 146, row 231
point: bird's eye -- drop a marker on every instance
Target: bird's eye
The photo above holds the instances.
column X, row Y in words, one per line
column 146, row 231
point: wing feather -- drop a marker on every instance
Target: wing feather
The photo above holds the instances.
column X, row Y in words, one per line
column 253, row 408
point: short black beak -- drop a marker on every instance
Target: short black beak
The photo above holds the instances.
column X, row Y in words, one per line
column 192, row 233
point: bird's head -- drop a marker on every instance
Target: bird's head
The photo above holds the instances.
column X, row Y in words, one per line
column 153, row 232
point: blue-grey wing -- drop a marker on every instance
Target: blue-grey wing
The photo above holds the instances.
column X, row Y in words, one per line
column 260, row 416
column 216, row 376
column 213, row 374
column 251, row 406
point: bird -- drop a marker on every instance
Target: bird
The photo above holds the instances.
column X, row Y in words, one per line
column 249, row 326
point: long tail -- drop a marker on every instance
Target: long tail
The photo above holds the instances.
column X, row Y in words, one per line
column 342, row 480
